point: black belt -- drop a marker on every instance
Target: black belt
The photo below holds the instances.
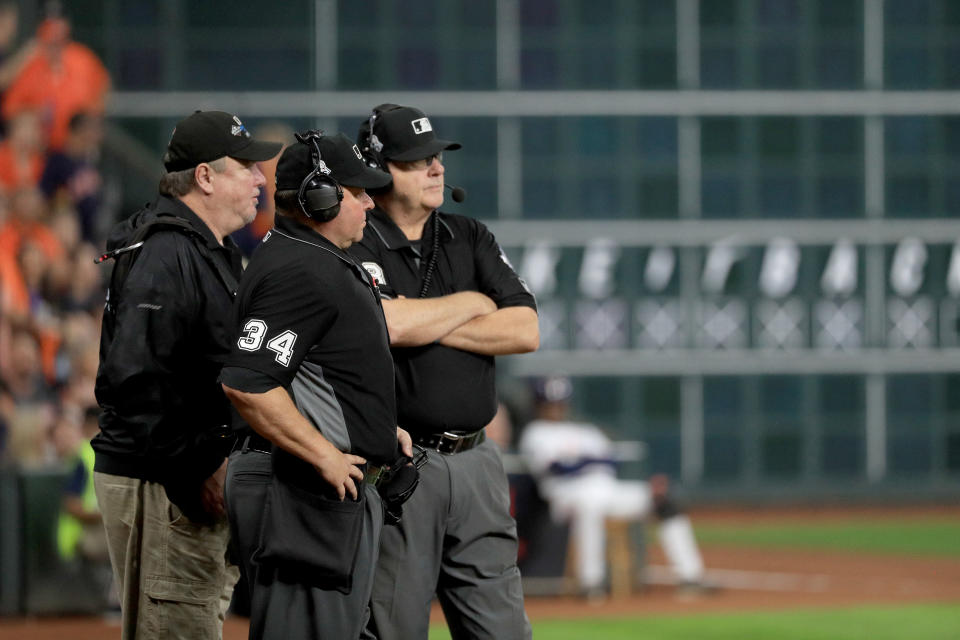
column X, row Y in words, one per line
column 450, row 443
column 253, row 442
column 372, row 473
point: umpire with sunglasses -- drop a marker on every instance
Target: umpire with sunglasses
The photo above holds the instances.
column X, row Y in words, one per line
column 452, row 303
column 311, row 373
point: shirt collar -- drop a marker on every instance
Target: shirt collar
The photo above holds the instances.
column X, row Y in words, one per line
column 299, row 231
column 390, row 234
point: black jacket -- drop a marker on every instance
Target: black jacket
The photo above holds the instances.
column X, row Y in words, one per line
column 166, row 334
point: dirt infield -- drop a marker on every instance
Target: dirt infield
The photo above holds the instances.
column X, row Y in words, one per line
column 753, row 579
column 770, row 579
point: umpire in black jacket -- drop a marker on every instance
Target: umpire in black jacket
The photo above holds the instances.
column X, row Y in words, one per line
column 160, row 454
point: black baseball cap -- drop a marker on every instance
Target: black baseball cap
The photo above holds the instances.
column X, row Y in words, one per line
column 205, row 136
column 406, row 135
column 341, row 156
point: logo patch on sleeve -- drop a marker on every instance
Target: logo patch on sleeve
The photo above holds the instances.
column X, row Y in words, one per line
column 376, row 271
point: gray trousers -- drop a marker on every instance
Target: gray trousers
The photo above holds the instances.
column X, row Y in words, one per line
column 290, row 610
column 245, row 493
column 172, row 574
column 458, row 540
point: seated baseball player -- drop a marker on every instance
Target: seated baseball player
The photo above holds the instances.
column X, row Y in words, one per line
column 575, row 470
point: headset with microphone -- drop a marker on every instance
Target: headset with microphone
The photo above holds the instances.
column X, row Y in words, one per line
column 319, row 195
column 371, row 148
column 459, row 194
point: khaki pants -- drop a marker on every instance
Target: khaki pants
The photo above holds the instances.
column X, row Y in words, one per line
column 172, row 574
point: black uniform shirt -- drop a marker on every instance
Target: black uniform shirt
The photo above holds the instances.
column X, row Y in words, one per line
column 440, row 388
column 310, row 321
column 160, row 355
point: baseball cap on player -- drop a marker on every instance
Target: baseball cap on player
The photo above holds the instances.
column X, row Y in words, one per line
column 205, row 136
column 407, row 135
column 340, row 155
column 551, row 389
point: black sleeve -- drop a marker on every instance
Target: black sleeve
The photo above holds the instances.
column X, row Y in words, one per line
column 496, row 275
column 279, row 321
column 156, row 308
column 247, row 380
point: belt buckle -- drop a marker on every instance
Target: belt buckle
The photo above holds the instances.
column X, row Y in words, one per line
column 455, row 440
column 419, row 456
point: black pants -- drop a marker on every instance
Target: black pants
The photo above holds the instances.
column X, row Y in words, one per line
column 248, row 475
column 289, row 610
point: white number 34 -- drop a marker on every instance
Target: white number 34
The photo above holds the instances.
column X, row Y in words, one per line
column 254, row 331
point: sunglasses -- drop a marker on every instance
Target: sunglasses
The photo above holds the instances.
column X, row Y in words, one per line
column 423, row 163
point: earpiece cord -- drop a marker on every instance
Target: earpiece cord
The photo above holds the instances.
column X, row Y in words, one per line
column 434, row 253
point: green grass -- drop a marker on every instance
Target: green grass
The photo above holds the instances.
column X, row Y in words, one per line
column 918, row 537
column 930, row 537
column 926, row 622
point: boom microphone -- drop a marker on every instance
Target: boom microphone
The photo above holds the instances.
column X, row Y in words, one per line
column 459, row 194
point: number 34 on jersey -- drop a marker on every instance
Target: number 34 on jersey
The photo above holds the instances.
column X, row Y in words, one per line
column 254, row 332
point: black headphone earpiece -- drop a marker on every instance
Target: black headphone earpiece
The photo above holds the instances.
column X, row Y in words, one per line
column 370, row 145
column 319, row 195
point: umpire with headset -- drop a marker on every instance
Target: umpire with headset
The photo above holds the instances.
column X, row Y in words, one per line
column 311, row 373
column 452, row 302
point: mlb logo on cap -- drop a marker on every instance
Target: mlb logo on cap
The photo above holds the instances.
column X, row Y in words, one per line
column 422, row 125
column 406, row 135
column 238, row 129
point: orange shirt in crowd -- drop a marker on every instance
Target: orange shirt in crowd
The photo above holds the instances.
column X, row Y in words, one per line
column 79, row 84
column 15, row 302
column 14, row 232
column 14, row 294
column 14, row 174
column 14, row 297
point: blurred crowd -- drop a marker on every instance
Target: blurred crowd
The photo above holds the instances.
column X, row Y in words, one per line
column 52, row 219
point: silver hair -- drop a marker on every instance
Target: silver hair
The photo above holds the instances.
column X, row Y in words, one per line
column 175, row 184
